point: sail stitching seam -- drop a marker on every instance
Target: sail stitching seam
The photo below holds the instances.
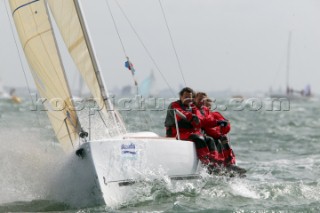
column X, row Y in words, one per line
column 38, row 34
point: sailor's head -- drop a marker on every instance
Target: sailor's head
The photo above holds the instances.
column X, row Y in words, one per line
column 200, row 98
column 208, row 103
column 186, row 95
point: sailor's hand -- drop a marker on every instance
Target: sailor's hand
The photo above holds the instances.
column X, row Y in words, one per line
column 195, row 119
column 222, row 123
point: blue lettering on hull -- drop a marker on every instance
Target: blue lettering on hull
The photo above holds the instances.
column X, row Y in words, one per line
column 128, row 150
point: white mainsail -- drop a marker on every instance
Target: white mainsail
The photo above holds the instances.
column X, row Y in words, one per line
column 71, row 25
column 38, row 43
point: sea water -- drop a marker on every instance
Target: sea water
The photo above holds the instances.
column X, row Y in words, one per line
column 279, row 146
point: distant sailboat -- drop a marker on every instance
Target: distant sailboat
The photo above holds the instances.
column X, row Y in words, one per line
column 14, row 98
column 9, row 97
column 105, row 169
column 146, row 85
column 291, row 93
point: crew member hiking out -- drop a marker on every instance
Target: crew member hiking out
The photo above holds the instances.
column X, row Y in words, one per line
column 214, row 146
column 189, row 121
column 218, row 133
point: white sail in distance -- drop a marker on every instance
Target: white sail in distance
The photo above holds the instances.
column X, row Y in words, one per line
column 38, row 43
column 72, row 28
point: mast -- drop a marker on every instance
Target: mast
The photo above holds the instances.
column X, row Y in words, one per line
column 91, row 52
column 104, row 93
column 288, row 62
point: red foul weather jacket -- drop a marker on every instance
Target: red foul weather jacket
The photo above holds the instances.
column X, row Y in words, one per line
column 187, row 126
column 207, row 119
column 217, row 131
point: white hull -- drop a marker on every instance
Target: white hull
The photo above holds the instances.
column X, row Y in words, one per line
column 110, row 168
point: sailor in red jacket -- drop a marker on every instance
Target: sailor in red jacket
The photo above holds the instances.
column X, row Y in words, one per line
column 208, row 121
column 220, row 133
column 221, row 148
column 184, row 115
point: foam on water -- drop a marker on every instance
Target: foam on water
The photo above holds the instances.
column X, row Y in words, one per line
column 29, row 155
column 243, row 190
column 27, row 164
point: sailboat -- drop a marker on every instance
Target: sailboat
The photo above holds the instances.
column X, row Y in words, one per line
column 108, row 167
column 292, row 94
column 146, row 85
column 8, row 97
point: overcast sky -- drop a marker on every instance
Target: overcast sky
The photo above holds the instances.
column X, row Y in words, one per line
column 222, row 44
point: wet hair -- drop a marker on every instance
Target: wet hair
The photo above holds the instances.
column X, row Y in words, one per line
column 202, row 94
column 208, row 103
column 188, row 90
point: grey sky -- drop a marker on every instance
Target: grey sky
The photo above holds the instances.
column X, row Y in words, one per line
column 222, row 44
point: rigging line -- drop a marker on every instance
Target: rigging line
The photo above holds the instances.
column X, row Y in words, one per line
column 119, row 123
column 172, row 43
column 90, row 48
column 122, row 44
column 145, row 47
column 116, row 28
column 64, row 122
column 103, row 121
column 71, row 141
column 20, row 60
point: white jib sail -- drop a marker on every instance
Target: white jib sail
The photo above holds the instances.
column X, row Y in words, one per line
column 38, row 43
column 72, row 29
